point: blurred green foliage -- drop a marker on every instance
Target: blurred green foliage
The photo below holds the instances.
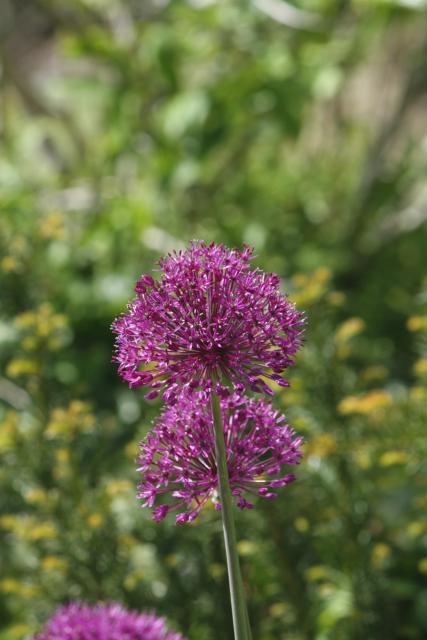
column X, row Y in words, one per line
column 128, row 129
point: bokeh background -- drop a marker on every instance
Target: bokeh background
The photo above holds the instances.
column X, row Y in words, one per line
column 129, row 128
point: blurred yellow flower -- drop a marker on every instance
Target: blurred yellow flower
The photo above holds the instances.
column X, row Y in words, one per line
column 336, row 298
column 10, row 585
column 52, row 227
column 62, row 456
column 348, row 329
column 294, row 395
column 374, row 373
column 418, row 394
column 321, row 446
column 322, row 275
column 13, row 586
column 36, row 496
column 76, row 418
column 310, row 287
column 371, row 401
column 416, row 528
column 216, row 570
column 420, row 367
column 363, row 458
column 17, row 631
column 132, row 448
column 390, row 458
column 345, row 332
column 29, row 343
column 42, row 327
column 422, row 565
column 421, row 502
column 278, row 609
column 118, row 487
column 62, row 468
column 8, row 430
column 18, row 245
column 317, row 572
column 171, row 560
column 380, row 554
column 132, row 579
column 22, row 367
column 95, row 520
column 8, row 264
column 54, row 563
column 246, row 548
column 127, row 541
column 26, row 319
column 301, row 524
column 44, row 530
column 8, row 521
column 417, row 323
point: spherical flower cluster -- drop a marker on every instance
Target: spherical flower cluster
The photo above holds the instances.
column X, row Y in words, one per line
column 78, row 621
column 177, row 460
column 209, row 316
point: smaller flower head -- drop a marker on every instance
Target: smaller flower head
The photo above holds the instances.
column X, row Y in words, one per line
column 209, row 316
column 177, row 459
column 78, row 621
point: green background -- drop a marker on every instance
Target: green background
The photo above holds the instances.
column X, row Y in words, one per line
column 128, row 129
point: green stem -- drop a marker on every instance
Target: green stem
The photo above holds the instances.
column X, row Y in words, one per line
column 238, row 604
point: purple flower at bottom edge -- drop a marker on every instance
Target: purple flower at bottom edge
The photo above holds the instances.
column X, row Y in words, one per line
column 79, row 621
column 210, row 315
column 177, row 460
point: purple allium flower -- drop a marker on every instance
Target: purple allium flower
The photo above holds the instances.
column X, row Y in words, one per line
column 210, row 316
column 177, row 459
column 78, row 621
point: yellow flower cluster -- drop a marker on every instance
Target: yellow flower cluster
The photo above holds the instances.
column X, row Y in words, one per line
column 301, row 524
column 54, row 564
column 418, row 394
column 41, row 498
column 9, row 264
column 422, row 566
column 321, row 446
column 8, row 431
column 279, row 609
column 380, row 555
column 66, row 423
column 417, row 323
column 345, row 332
column 420, row 368
column 52, row 226
column 133, row 578
column 95, row 520
column 42, row 327
column 118, row 487
column 13, row 586
column 39, row 329
column 19, row 367
column 14, row 261
column 363, row 457
column 389, row 458
column 28, row 527
column 317, row 572
column 246, row 548
column 310, row 287
column 376, row 372
column 17, row 631
column 371, row 403
column 62, row 468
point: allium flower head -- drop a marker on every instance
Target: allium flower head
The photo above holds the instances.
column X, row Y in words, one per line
column 78, row 621
column 177, row 459
column 210, row 315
